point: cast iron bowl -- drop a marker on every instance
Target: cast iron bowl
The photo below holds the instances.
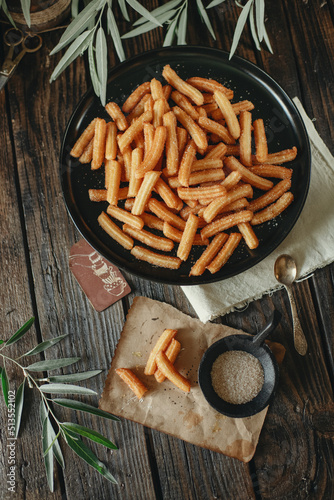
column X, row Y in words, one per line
column 255, row 346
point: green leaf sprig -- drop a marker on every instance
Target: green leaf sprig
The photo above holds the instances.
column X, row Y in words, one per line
column 61, row 385
column 253, row 11
column 88, row 32
column 174, row 13
column 4, row 7
column 25, row 6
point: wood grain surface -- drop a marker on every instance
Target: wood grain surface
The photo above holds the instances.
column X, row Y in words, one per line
column 295, row 455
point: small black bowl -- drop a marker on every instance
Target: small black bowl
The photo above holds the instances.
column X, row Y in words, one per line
column 255, row 346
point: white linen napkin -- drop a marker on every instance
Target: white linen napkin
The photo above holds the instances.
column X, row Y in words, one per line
column 310, row 242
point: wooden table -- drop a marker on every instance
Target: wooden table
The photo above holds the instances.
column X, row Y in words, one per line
column 295, row 454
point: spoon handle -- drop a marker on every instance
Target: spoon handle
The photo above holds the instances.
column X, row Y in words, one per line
column 298, row 334
column 260, row 337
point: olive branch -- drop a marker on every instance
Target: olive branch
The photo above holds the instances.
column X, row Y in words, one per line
column 91, row 25
column 55, row 384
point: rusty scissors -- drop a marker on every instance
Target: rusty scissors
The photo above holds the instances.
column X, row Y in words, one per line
column 30, row 42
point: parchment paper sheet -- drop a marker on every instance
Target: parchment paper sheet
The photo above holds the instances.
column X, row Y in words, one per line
column 164, row 407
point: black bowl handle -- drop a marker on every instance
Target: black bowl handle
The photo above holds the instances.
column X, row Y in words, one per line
column 260, row 337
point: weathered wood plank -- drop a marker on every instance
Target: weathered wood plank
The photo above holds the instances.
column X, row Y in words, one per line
column 16, row 308
column 309, row 454
column 224, row 22
column 285, row 424
column 314, row 52
column 304, row 391
column 281, row 65
column 207, row 475
column 62, row 307
column 322, row 292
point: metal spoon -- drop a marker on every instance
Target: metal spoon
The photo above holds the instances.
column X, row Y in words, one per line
column 285, row 272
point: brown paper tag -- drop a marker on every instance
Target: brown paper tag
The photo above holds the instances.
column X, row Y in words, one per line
column 165, row 407
column 101, row 281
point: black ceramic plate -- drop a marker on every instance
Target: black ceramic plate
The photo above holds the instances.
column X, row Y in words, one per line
column 284, row 129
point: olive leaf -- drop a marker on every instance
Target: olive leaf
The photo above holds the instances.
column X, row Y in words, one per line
column 4, row 384
column 43, row 411
column 77, row 26
column 170, row 33
column 113, row 30
column 44, row 345
column 77, row 48
column 19, row 400
column 54, row 439
column 253, row 28
column 205, row 18
column 240, row 26
column 124, row 10
column 266, row 39
column 90, row 434
column 65, row 389
column 52, row 442
column 182, row 27
column 167, row 7
column 74, row 377
column 57, row 453
column 22, row 331
column 51, row 364
column 144, row 12
column 54, row 445
column 74, row 8
column 88, row 456
column 148, row 26
column 92, row 69
column 48, row 456
column 6, row 11
column 84, row 407
column 25, row 5
column 259, row 8
column 214, row 3
column 102, row 63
